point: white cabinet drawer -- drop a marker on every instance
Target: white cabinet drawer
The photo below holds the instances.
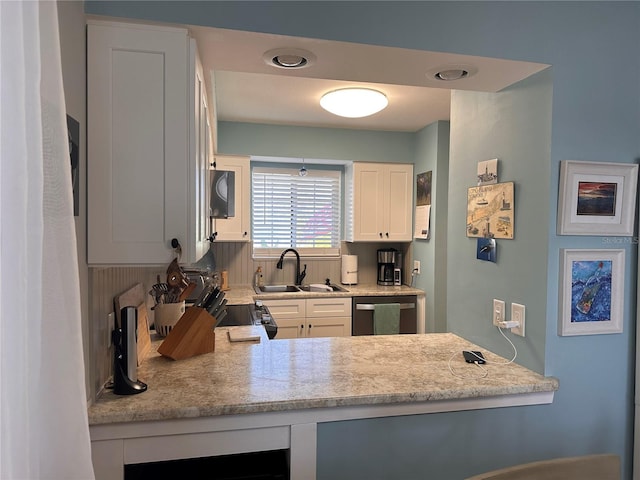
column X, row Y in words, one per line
column 328, row 307
column 286, row 309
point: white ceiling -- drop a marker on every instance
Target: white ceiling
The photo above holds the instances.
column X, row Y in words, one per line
column 249, row 90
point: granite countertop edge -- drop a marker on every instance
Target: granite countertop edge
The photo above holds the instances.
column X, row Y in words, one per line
column 197, row 411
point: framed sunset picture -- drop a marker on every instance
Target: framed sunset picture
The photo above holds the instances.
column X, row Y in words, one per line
column 596, row 198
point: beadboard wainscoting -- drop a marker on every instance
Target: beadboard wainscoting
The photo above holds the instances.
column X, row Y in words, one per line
column 237, row 259
column 105, row 283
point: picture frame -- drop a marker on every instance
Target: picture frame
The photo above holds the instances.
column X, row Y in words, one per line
column 596, row 198
column 591, row 291
column 490, row 211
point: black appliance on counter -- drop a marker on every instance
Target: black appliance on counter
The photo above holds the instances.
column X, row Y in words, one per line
column 253, row 314
column 389, row 267
column 125, row 362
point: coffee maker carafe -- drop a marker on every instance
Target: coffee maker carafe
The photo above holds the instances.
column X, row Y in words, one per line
column 387, row 260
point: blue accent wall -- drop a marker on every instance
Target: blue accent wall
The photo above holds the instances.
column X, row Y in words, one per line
column 594, row 85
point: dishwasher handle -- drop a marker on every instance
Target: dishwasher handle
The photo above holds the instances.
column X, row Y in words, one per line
column 371, row 306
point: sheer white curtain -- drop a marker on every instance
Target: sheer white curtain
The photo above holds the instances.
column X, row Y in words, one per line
column 44, row 432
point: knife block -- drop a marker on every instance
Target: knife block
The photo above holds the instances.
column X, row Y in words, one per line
column 192, row 335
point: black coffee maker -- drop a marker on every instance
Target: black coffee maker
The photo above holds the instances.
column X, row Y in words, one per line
column 387, row 261
column 125, row 358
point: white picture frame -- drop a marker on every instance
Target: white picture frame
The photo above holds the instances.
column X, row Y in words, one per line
column 591, row 291
column 596, row 198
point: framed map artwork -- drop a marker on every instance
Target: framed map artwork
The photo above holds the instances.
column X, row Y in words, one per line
column 490, row 211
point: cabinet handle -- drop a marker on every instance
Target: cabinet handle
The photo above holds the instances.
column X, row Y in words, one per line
column 380, row 234
column 369, row 306
column 244, row 234
column 387, row 234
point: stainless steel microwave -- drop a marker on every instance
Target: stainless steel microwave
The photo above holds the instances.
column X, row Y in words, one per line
column 223, row 191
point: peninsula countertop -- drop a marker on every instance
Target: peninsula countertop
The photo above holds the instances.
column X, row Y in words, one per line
column 315, row 373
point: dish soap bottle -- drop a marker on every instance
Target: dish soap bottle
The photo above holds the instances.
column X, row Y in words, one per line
column 257, row 278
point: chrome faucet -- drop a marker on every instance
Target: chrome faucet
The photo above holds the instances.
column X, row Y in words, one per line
column 299, row 275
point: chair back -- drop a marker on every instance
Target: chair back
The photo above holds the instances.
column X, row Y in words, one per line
column 588, row 467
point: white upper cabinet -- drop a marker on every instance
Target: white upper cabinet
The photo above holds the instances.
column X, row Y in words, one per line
column 238, row 227
column 379, row 202
column 148, row 141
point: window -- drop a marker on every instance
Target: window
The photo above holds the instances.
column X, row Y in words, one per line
column 290, row 211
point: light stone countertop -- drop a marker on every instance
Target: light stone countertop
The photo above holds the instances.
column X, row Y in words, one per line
column 245, row 294
column 298, row 374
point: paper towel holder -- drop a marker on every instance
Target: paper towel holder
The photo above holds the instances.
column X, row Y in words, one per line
column 349, row 270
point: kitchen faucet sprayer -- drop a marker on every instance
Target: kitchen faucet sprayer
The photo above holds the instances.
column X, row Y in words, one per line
column 299, row 275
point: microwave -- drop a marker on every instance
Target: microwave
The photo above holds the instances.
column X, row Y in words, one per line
column 222, row 203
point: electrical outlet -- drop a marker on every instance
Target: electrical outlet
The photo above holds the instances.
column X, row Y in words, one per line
column 416, row 266
column 498, row 312
column 517, row 315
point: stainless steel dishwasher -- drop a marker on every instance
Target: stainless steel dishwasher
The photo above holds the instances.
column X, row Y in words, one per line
column 362, row 313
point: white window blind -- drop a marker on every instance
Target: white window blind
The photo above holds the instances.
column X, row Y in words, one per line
column 290, row 211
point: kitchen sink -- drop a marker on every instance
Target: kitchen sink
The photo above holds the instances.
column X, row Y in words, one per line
column 276, row 289
column 334, row 288
column 297, row 288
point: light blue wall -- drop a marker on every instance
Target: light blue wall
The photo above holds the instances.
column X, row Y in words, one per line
column 321, row 143
column 594, row 50
column 432, row 154
column 513, row 125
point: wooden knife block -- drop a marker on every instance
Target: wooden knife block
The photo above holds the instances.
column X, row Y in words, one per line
column 192, row 335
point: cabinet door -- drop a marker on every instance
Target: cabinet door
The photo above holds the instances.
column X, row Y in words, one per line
column 290, row 328
column 328, row 327
column 368, row 201
column 137, row 143
column 200, row 153
column 238, row 227
column 398, row 213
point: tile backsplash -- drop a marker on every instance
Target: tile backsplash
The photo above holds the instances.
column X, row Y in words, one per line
column 236, row 258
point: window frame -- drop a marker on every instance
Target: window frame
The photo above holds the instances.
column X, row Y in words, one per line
column 334, row 171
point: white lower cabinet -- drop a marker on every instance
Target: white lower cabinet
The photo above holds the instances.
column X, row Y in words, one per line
column 311, row 317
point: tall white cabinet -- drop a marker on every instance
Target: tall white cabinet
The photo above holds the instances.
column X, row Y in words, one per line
column 379, row 201
column 148, row 139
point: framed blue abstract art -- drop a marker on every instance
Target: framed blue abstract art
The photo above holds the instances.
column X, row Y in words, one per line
column 591, row 291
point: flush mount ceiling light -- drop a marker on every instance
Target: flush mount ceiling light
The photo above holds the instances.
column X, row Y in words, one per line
column 354, row 102
column 289, row 58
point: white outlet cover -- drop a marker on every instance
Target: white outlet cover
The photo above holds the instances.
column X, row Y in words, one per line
column 498, row 312
column 518, row 315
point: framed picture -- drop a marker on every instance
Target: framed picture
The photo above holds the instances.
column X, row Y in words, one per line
column 490, row 211
column 596, row 198
column 591, row 291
